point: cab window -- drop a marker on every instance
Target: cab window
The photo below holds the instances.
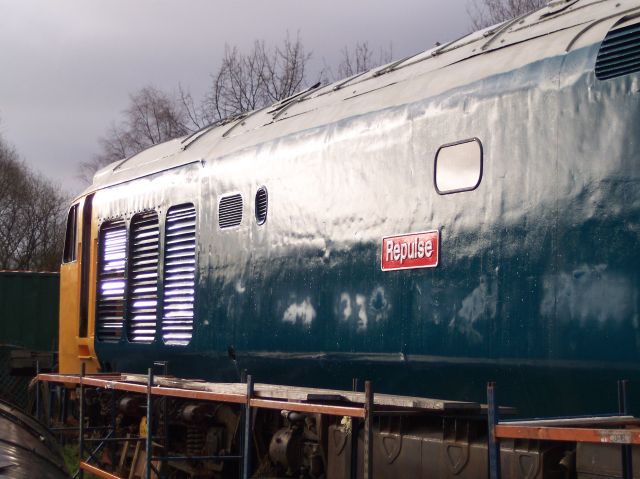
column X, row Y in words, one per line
column 70, row 241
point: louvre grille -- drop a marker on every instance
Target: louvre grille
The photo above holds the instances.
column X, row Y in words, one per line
column 142, row 310
column 111, row 280
column 261, row 205
column 619, row 53
column 179, row 275
column 230, row 211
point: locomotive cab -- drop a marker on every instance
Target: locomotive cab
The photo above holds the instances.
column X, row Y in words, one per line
column 76, row 293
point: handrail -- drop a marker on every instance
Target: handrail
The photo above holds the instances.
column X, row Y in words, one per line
column 294, row 100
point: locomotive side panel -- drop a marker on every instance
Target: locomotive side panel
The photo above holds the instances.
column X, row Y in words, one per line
column 315, row 281
column 595, row 290
column 537, row 278
column 318, row 288
column 156, row 193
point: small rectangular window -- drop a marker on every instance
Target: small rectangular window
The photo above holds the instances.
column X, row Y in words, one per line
column 70, row 239
column 112, row 258
column 230, row 211
column 458, row 166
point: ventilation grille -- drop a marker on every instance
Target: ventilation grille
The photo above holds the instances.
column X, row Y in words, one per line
column 230, row 211
column 261, row 205
column 111, row 282
column 619, row 53
column 179, row 275
column 142, row 310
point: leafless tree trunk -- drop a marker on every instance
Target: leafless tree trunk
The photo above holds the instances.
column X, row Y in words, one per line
column 361, row 59
column 152, row 117
column 244, row 82
column 253, row 80
column 31, row 216
column 286, row 69
column 484, row 13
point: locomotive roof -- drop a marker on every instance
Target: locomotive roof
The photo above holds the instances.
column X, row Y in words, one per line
column 558, row 28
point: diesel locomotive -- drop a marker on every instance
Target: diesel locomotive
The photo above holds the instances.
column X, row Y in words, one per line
column 469, row 213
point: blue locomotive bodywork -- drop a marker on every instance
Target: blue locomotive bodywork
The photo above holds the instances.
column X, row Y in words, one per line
column 537, row 285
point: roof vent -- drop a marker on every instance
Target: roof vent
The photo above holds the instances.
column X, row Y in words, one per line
column 230, row 211
column 261, row 205
column 619, row 53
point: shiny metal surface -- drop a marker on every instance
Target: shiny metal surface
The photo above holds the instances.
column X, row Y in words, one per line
column 537, row 36
column 144, row 254
column 111, row 280
column 179, row 275
column 27, row 449
column 537, row 283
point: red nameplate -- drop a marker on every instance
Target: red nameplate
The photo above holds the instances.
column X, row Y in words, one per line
column 412, row 250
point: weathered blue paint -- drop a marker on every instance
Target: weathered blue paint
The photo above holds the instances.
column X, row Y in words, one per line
column 538, row 282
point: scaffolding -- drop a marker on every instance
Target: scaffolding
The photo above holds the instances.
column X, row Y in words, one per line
column 617, row 428
column 361, row 407
column 242, row 394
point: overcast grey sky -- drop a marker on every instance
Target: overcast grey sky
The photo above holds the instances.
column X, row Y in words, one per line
column 68, row 66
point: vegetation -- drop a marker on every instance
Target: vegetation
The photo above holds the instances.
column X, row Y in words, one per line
column 244, row 81
column 250, row 80
column 32, row 210
column 484, row 13
column 32, row 216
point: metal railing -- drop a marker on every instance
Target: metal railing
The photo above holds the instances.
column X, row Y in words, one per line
column 247, row 401
column 613, row 429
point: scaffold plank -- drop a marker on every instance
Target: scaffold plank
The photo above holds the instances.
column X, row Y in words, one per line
column 268, row 396
column 97, row 471
column 576, row 421
column 298, row 393
column 569, row 434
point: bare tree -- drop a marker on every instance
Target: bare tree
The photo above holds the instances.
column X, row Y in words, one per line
column 244, row 82
column 484, row 13
column 361, row 59
column 286, row 70
column 152, row 117
column 259, row 78
column 194, row 114
column 240, row 84
column 31, row 216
